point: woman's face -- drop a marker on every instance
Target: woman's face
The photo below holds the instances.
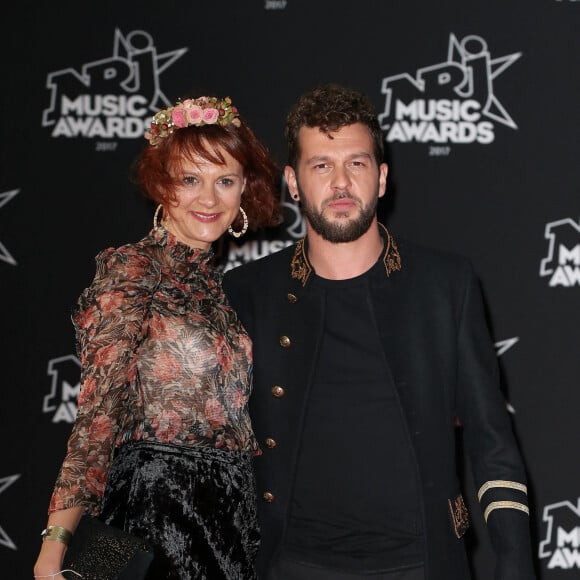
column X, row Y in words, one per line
column 208, row 200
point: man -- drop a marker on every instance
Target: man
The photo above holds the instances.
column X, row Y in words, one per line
column 366, row 354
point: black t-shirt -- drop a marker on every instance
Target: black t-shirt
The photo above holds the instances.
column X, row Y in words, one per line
column 355, row 500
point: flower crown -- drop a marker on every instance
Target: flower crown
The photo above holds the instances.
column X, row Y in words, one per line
column 192, row 113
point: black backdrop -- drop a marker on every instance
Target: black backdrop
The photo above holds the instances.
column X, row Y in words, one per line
column 480, row 106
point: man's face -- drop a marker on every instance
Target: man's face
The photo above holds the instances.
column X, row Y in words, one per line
column 337, row 181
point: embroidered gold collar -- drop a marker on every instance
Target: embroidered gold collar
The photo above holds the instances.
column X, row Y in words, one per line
column 301, row 269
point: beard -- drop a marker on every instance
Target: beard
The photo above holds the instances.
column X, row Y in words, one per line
column 345, row 230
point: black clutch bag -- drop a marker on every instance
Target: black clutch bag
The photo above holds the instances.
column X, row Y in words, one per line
column 102, row 552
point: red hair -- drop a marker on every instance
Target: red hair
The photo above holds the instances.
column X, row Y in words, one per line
column 260, row 200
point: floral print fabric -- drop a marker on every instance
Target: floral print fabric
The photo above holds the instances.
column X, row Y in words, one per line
column 164, row 358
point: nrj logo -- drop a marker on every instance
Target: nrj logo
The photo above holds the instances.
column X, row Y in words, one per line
column 111, row 97
column 452, row 101
column 562, row 264
column 561, row 547
column 61, row 403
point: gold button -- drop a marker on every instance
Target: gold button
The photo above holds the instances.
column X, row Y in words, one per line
column 268, row 496
column 278, row 391
column 270, row 443
column 291, row 298
column 285, row 341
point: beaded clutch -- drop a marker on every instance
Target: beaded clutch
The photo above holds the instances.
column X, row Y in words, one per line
column 102, row 552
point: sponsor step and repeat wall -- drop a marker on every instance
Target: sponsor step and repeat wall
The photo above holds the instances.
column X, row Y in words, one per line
column 480, row 107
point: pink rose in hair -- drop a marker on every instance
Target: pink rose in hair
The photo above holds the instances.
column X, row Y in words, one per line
column 210, row 115
column 179, row 117
column 194, row 114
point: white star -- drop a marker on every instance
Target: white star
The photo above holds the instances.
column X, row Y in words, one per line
column 459, row 54
column 501, row 347
column 124, row 48
column 4, row 483
column 4, row 253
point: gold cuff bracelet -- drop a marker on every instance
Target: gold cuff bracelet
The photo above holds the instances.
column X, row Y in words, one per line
column 57, row 534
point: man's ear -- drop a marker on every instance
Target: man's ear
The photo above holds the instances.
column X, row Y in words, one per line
column 383, row 171
column 292, row 182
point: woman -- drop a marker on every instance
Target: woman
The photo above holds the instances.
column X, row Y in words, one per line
column 166, row 365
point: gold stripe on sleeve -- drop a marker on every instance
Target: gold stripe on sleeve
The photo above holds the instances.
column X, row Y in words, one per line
column 500, row 483
column 495, row 505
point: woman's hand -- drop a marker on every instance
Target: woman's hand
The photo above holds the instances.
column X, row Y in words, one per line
column 49, row 562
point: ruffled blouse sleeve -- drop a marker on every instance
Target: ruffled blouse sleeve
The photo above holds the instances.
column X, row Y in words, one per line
column 109, row 319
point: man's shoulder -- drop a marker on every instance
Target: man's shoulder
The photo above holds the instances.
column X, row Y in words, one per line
column 430, row 259
column 427, row 268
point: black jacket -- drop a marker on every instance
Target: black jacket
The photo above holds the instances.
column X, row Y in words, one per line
column 429, row 314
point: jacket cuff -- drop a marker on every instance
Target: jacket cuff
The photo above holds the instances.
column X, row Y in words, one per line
column 509, row 531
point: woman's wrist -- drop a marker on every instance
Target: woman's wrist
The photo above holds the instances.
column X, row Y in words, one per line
column 57, row 534
column 50, row 558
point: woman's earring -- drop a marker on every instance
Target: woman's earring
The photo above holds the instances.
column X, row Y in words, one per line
column 244, row 228
column 164, row 222
column 156, row 216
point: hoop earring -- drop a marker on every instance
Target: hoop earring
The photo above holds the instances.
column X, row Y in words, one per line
column 156, row 216
column 244, row 228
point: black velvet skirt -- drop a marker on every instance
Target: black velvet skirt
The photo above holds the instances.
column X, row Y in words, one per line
column 196, row 506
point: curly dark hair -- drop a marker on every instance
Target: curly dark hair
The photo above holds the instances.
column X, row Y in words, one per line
column 154, row 167
column 331, row 107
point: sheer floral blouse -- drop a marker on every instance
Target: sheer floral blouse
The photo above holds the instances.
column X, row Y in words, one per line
column 163, row 357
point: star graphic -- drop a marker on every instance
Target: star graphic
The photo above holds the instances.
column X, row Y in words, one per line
column 5, row 255
column 126, row 46
column 461, row 52
column 502, row 347
column 6, row 482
